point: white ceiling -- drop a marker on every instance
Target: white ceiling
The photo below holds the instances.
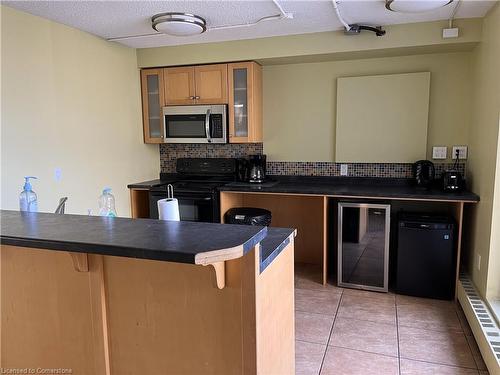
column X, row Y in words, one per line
column 112, row 19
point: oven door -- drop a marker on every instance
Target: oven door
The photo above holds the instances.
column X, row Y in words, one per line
column 193, row 206
column 195, row 124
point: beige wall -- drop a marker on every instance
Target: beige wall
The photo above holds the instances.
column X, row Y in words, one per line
column 72, row 101
column 493, row 291
column 300, row 101
column 483, row 138
column 391, row 125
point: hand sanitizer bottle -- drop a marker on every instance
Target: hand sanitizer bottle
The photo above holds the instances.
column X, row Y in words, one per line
column 27, row 199
column 107, row 203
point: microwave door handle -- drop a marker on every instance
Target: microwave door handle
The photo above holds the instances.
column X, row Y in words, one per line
column 207, row 125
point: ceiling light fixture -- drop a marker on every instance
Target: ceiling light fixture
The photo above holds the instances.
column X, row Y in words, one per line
column 179, row 24
column 186, row 24
column 415, row 6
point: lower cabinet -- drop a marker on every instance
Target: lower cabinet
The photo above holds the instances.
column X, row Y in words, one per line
column 122, row 315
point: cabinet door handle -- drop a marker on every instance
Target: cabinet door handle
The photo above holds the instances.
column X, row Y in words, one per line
column 197, row 97
column 192, row 97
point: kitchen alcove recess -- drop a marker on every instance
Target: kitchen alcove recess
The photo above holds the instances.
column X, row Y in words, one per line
column 237, row 84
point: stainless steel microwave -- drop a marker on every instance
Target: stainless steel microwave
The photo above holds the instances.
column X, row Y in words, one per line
column 195, row 124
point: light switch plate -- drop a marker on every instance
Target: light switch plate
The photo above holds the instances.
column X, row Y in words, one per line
column 343, row 169
column 57, row 174
column 439, row 152
column 450, row 33
column 462, row 154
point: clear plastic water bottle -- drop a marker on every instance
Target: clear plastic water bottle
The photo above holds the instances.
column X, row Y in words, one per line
column 28, row 200
column 107, row 203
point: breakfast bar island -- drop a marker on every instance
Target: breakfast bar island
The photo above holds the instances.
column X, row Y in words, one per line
column 97, row 295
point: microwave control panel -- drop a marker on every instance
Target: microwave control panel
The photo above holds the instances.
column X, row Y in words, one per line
column 216, row 128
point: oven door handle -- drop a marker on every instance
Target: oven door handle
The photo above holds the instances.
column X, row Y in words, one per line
column 182, row 196
column 207, row 125
column 194, row 198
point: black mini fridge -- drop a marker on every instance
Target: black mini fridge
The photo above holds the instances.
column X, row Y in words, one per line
column 426, row 260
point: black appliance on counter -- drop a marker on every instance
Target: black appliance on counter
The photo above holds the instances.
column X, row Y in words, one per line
column 424, row 173
column 196, row 187
column 452, row 179
column 426, row 261
column 257, row 168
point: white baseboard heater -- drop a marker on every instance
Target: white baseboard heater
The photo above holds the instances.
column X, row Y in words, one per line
column 483, row 324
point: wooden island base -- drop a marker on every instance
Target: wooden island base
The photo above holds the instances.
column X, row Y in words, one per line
column 133, row 316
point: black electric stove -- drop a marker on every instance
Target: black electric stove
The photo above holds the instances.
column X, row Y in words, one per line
column 196, row 187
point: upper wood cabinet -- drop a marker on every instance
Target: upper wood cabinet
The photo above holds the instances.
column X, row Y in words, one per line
column 237, row 84
column 153, row 100
column 179, row 85
column 245, row 102
column 203, row 84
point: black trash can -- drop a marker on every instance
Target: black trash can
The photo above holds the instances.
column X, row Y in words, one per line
column 248, row 216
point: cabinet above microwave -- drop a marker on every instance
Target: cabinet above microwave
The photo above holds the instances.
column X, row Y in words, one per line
column 239, row 85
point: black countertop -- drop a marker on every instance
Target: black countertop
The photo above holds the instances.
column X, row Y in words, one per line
column 146, row 184
column 183, row 242
column 387, row 188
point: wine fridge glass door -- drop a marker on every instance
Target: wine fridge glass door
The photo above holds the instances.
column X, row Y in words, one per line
column 363, row 246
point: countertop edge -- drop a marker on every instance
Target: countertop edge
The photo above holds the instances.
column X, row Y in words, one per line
column 264, row 263
column 88, row 248
column 450, row 199
column 222, row 255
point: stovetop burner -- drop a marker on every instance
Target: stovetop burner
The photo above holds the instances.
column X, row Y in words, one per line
column 200, row 175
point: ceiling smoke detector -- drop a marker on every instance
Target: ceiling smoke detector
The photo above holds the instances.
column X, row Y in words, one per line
column 415, row 6
column 179, row 24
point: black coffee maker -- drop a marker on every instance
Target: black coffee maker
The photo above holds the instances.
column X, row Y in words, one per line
column 256, row 168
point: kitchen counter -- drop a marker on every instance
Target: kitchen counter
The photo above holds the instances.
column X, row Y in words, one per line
column 183, row 242
column 194, row 297
column 378, row 188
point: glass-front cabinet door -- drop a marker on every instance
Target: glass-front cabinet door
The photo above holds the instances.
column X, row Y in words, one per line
column 363, row 246
column 245, row 102
column 152, row 103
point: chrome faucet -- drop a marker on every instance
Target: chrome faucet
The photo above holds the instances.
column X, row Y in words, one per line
column 62, row 204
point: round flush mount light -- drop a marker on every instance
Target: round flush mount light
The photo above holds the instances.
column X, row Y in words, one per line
column 415, row 6
column 178, row 24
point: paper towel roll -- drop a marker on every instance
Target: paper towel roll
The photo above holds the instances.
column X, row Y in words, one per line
column 168, row 209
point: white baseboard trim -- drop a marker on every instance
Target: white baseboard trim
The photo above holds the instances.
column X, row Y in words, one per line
column 483, row 325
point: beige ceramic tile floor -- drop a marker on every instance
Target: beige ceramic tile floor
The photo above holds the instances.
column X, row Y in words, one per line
column 350, row 332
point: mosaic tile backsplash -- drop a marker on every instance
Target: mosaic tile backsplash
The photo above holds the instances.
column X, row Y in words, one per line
column 169, row 153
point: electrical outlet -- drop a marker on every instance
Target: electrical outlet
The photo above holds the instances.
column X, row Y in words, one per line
column 462, row 152
column 343, row 169
column 439, row 152
column 478, row 262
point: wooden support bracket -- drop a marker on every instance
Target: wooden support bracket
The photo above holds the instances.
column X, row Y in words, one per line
column 220, row 274
column 80, row 261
